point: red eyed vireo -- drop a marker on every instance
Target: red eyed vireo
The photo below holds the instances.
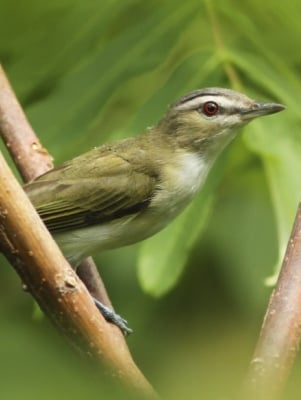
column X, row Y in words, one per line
column 123, row 192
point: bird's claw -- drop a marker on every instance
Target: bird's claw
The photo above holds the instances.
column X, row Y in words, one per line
column 114, row 318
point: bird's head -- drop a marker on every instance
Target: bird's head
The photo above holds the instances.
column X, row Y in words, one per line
column 208, row 118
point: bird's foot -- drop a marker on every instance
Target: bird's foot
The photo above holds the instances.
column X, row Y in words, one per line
column 112, row 317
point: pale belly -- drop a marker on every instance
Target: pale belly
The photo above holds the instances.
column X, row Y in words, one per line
column 80, row 243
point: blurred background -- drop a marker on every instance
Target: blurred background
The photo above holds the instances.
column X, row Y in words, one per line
column 87, row 72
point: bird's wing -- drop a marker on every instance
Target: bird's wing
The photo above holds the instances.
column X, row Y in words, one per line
column 102, row 188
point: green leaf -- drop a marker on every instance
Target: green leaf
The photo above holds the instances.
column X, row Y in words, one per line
column 279, row 146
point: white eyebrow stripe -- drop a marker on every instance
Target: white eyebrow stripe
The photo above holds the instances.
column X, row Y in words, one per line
column 223, row 101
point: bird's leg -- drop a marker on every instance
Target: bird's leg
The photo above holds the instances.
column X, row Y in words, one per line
column 112, row 317
column 88, row 273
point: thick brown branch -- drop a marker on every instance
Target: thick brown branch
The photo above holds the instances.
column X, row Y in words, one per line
column 63, row 297
column 280, row 335
column 41, row 266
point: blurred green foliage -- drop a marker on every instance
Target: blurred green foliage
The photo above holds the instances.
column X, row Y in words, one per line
column 91, row 71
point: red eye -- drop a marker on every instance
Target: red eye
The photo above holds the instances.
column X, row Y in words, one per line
column 210, row 108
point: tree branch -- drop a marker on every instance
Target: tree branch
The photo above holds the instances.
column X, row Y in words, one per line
column 29, row 247
column 280, row 335
column 25, row 148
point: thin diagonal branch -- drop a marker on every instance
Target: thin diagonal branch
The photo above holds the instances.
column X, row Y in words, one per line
column 280, row 335
column 88, row 273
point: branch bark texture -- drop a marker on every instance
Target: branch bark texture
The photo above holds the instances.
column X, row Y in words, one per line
column 25, row 148
column 280, row 335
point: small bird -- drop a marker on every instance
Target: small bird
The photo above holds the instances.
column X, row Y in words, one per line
column 121, row 193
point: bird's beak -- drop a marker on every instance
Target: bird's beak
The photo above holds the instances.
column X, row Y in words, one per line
column 260, row 109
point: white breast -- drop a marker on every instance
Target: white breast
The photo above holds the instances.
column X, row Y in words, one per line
column 191, row 172
column 181, row 181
